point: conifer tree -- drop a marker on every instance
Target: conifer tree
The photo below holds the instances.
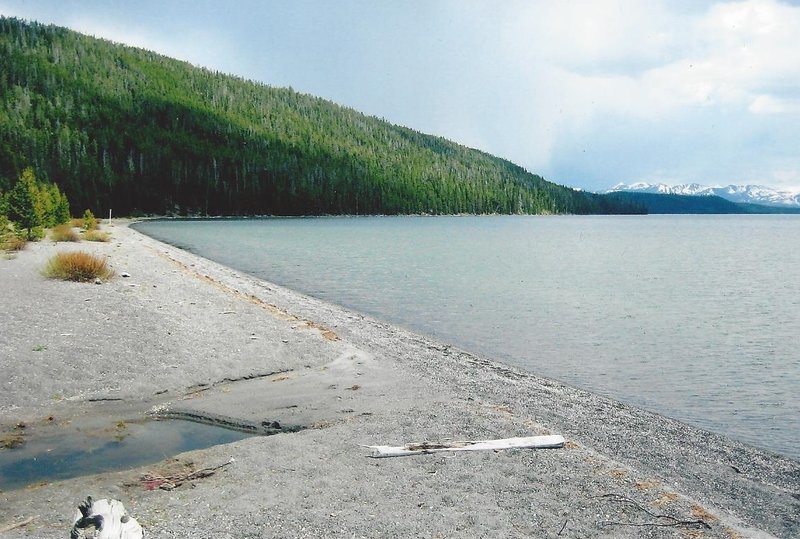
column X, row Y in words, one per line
column 25, row 206
column 61, row 213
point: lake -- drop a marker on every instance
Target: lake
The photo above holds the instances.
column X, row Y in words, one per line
column 693, row 317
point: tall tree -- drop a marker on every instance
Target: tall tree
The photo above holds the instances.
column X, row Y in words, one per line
column 25, row 206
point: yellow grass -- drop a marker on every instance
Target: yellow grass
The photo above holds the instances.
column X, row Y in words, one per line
column 12, row 242
column 64, row 232
column 96, row 235
column 78, row 266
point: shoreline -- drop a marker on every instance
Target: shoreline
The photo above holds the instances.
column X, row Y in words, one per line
column 193, row 336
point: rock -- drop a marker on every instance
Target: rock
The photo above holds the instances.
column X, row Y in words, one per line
column 125, row 274
column 97, row 280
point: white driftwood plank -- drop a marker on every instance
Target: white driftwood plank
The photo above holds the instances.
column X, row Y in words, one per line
column 528, row 442
column 104, row 519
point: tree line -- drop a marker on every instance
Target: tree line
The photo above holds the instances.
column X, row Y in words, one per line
column 124, row 128
column 31, row 206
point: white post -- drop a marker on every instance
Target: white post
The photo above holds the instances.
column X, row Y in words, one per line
column 109, row 216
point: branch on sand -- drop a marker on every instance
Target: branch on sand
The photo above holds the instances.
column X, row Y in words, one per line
column 170, row 482
column 14, row 525
column 660, row 520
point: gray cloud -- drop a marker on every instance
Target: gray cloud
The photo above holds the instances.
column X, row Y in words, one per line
column 587, row 93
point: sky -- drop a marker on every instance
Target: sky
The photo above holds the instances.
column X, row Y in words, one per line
column 585, row 93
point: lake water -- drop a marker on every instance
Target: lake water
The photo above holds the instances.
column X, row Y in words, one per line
column 694, row 317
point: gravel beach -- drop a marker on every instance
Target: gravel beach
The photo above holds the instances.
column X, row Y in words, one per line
column 184, row 337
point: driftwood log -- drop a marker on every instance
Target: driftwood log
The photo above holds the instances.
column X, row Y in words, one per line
column 529, row 442
column 104, row 519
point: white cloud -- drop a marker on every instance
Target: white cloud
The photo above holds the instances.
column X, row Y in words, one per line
column 767, row 104
column 682, row 89
column 588, row 63
column 591, row 36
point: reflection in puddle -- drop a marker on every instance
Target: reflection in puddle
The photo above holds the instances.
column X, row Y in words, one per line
column 123, row 446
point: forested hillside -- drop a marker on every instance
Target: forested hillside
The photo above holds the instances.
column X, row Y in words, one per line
column 128, row 129
column 694, row 204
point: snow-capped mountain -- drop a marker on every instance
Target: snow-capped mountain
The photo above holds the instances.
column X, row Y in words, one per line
column 754, row 194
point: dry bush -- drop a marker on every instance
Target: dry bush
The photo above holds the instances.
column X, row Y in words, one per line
column 11, row 440
column 78, row 266
column 76, row 222
column 64, row 233
column 12, row 242
column 96, row 235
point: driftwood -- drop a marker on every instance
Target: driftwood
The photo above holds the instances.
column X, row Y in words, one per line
column 15, row 525
column 104, row 519
column 529, row 442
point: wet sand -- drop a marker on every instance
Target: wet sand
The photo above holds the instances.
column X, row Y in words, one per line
column 183, row 336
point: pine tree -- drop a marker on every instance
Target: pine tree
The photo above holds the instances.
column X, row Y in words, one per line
column 61, row 210
column 25, row 206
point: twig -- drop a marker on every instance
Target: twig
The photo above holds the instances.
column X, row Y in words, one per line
column 564, row 527
column 15, row 525
column 174, row 481
column 670, row 520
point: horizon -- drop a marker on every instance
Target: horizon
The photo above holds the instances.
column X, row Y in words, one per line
column 585, row 94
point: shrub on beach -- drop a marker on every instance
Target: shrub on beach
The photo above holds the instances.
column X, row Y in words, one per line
column 89, row 220
column 64, row 233
column 78, row 266
column 96, row 235
column 12, row 242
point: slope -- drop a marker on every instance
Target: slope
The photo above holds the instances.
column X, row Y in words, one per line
column 694, row 204
column 125, row 128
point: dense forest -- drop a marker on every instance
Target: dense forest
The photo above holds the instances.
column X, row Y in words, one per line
column 124, row 128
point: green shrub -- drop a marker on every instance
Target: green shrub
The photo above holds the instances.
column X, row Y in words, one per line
column 78, row 266
column 89, row 220
column 10, row 239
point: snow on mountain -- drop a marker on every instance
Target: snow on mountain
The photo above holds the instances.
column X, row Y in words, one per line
column 754, row 194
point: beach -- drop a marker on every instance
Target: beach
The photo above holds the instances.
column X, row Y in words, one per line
column 178, row 335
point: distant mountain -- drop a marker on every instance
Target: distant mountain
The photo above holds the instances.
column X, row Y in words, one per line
column 666, row 203
column 747, row 194
column 661, row 203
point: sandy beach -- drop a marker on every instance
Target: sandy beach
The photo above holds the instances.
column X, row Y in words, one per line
column 186, row 337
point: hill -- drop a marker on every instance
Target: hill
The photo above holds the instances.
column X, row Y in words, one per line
column 125, row 128
column 693, row 204
column 746, row 194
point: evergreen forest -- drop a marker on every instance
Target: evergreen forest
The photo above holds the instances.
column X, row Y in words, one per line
column 116, row 127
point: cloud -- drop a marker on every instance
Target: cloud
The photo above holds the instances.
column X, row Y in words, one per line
column 590, row 66
column 767, row 104
column 585, row 92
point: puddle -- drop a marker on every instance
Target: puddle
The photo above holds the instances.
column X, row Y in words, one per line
column 125, row 445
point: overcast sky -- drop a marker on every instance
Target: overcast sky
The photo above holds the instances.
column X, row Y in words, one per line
column 585, row 93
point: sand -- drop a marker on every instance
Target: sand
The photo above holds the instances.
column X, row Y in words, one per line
column 186, row 336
